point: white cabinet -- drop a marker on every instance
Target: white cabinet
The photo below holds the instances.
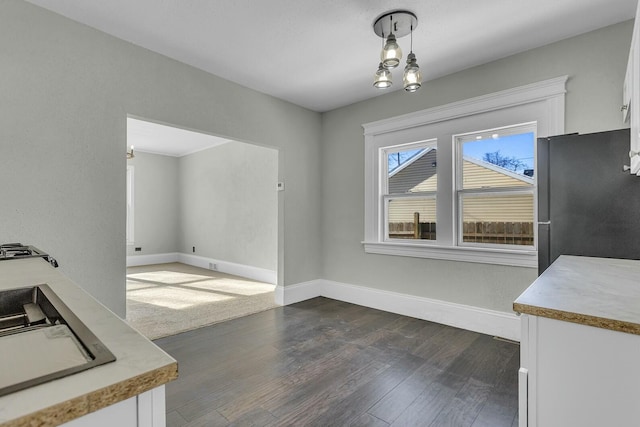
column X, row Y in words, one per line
column 577, row 375
column 631, row 97
column 145, row 410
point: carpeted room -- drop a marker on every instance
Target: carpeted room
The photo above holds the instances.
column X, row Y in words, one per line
column 209, row 203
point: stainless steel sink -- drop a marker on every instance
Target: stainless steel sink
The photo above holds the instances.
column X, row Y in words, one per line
column 42, row 340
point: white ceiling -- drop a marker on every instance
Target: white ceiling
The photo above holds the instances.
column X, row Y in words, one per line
column 322, row 54
column 156, row 138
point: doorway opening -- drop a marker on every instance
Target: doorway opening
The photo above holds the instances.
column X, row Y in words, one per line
column 202, row 228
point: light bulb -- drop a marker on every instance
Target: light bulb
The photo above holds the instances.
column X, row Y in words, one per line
column 412, row 78
column 391, row 53
column 382, row 79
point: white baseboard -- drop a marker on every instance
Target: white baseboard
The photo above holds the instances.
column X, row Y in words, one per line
column 299, row 292
column 242, row 270
column 248, row 271
column 485, row 321
column 136, row 260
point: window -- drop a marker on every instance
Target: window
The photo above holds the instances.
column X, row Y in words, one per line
column 130, row 217
column 409, row 191
column 436, row 187
column 495, row 187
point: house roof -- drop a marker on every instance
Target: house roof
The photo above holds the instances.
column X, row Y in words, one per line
column 410, row 161
column 403, row 179
column 499, row 169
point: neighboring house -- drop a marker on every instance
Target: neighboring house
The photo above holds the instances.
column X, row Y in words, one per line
column 419, row 174
column 416, row 174
column 478, row 174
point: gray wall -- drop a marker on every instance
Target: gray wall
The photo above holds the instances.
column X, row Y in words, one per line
column 596, row 65
column 66, row 90
column 229, row 204
column 222, row 200
column 156, row 203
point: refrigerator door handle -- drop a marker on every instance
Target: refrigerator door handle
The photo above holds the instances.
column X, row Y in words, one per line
column 544, row 245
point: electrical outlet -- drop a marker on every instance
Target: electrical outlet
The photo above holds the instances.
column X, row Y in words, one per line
column 138, row 249
column 193, row 249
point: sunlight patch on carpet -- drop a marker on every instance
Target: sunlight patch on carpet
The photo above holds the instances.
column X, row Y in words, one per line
column 176, row 298
column 167, row 277
column 167, row 299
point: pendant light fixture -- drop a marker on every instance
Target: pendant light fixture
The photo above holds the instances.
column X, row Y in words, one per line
column 396, row 24
column 412, row 78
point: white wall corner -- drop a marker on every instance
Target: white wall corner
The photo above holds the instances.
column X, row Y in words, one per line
column 291, row 294
column 279, row 295
column 150, row 259
column 485, row 321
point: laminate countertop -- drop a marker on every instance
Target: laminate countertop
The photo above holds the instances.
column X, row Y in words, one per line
column 139, row 367
column 599, row 292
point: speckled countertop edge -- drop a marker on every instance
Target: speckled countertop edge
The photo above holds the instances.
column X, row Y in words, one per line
column 599, row 292
column 582, row 319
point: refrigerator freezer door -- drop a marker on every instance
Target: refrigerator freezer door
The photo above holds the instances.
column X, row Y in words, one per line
column 592, row 204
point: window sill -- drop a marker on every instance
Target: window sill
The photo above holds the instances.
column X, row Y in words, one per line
column 515, row 258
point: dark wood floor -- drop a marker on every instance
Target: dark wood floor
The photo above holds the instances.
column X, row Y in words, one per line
column 327, row 363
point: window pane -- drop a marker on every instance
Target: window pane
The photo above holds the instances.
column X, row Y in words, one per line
column 412, row 218
column 492, row 160
column 505, row 219
column 412, row 171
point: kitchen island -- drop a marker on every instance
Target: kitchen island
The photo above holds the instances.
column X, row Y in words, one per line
column 580, row 344
column 126, row 392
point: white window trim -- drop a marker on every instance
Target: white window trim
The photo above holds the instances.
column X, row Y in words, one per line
column 130, row 221
column 550, row 92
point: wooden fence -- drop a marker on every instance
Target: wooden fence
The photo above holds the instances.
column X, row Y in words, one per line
column 408, row 230
column 504, row 233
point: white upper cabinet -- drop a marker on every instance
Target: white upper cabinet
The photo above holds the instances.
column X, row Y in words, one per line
column 631, row 97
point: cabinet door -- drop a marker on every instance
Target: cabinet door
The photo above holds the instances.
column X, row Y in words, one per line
column 526, row 388
column 585, row 376
column 523, row 397
column 632, row 85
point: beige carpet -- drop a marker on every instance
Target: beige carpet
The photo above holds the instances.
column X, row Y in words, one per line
column 165, row 299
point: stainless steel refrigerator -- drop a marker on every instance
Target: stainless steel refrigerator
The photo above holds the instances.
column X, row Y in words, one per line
column 587, row 205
